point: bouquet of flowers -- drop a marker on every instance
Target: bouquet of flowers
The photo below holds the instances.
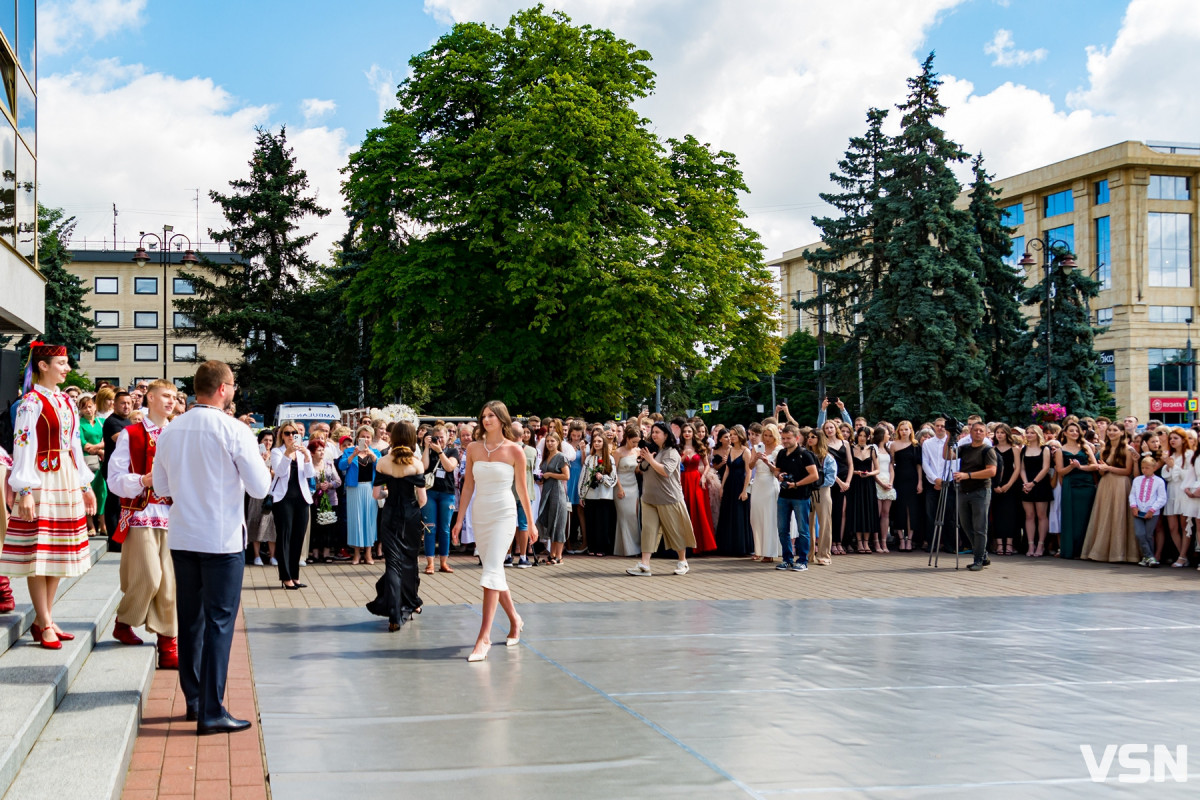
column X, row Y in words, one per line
column 1048, row 412
column 325, row 513
column 396, row 412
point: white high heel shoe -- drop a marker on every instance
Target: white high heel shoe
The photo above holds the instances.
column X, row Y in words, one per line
column 480, row 655
column 513, row 641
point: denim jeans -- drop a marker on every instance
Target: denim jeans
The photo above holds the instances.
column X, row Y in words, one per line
column 786, row 506
column 439, row 507
column 973, row 518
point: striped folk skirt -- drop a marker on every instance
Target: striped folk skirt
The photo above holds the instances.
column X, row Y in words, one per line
column 55, row 543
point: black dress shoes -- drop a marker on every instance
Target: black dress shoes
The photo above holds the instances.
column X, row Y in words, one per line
column 223, row 724
column 191, row 715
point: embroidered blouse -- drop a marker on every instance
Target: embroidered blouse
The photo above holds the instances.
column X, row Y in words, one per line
column 45, row 438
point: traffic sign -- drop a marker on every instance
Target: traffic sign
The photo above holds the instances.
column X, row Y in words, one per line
column 707, row 408
column 1192, row 404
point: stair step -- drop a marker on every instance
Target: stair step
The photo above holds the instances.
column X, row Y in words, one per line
column 88, row 743
column 14, row 624
column 35, row 680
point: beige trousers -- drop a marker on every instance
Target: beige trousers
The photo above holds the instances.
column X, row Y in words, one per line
column 147, row 582
column 671, row 522
column 822, row 511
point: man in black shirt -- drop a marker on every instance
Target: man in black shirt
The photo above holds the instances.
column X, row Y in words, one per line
column 117, row 421
column 977, row 468
column 796, row 469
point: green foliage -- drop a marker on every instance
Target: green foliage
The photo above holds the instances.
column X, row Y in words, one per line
column 517, row 232
column 80, row 379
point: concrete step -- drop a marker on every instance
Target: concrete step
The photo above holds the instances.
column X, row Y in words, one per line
column 35, row 680
column 15, row 624
column 88, row 743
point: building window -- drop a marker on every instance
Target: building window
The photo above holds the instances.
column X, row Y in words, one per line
column 1062, row 237
column 145, row 285
column 106, row 286
column 182, row 320
column 1108, row 369
column 145, row 319
column 1013, row 215
column 182, row 286
column 1104, row 317
column 184, row 352
column 1058, row 203
column 1018, row 250
column 1166, row 373
column 1101, row 192
column 1104, row 252
column 1170, row 187
column 107, row 352
column 1170, row 240
column 145, row 352
column 113, row 382
column 1177, row 314
column 108, row 319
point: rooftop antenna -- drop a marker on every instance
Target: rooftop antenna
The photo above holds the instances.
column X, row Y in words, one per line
column 114, row 226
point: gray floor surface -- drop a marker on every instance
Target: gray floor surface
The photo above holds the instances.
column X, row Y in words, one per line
column 898, row 698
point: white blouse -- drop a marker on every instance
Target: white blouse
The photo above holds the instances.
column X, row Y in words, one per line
column 25, row 472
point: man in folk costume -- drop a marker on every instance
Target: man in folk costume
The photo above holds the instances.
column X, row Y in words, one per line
column 47, row 537
column 147, row 574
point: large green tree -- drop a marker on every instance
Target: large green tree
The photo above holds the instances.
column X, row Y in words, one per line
column 1001, row 334
column 520, row 233
column 920, row 326
column 264, row 304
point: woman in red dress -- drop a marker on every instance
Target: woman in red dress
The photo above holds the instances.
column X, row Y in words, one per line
column 47, row 535
column 695, row 493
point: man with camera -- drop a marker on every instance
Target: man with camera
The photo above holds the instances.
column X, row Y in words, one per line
column 796, row 469
column 976, row 468
column 441, row 459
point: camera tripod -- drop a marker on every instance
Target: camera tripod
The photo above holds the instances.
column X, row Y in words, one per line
column 939, row 519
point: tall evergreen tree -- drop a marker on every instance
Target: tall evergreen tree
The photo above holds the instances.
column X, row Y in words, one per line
column 260, row 304
column 1001, row 335
column 919, row 328
column 1076, row 378
column 68, row 317
column 850, row 265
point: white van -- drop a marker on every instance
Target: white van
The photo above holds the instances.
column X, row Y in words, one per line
column 307, row 413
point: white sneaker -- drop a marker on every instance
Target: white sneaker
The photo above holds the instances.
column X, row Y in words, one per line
column 638, row 569
column 681, row 568
column 274, row 562
column 303, row 563
column 258, row 561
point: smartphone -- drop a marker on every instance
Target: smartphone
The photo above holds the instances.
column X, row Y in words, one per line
column 262, row 449
column 364, row 443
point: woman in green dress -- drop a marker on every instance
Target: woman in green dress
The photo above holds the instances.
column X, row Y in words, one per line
column 91, row 428
column 1075, row 464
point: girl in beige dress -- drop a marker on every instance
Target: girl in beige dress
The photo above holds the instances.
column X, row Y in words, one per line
column 1110, row 534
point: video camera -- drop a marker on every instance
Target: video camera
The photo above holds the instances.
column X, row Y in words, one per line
column 953, row 426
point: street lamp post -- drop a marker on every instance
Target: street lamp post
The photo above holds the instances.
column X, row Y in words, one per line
column 141, row 258
column 1046, row 245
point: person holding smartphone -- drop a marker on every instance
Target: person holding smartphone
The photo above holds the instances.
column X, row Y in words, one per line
column 357, row 463
column 441, row 459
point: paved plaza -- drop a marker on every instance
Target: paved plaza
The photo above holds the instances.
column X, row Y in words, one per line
column 876, row 677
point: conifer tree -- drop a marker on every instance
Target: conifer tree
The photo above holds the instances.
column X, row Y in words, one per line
column 919, row 328
column 1001, row 334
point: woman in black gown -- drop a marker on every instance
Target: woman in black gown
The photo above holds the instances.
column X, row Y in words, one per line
column 907, row 511
column 862, row 506
column 400, row 530
column 734, row 535
column 840, row 450
column 1007, row 514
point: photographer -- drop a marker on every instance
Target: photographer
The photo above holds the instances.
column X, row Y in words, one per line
column 441, row 459
column 825, row 405
column 796, row 469
column 977, row 466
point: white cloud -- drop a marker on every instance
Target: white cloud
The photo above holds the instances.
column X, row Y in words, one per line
column 314, row 109
column 383, row 83
column 150, row 140
column 1006, row 53
column 63, row 23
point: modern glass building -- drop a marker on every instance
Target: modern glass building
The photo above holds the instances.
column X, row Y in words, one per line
column 22, row 303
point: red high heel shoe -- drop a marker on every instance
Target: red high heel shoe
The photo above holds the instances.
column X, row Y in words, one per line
column 63, row 635
column 38, row 636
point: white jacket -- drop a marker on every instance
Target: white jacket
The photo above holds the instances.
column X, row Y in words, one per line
column 281, row 470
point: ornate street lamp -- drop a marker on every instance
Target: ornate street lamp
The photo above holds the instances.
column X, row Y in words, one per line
column 1050, row 249
column 142, row 258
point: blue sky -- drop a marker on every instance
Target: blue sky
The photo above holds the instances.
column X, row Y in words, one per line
column 782, row 84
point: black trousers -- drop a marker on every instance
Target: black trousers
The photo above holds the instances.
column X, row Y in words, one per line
column 209, row 587
column 396, row 592
column 601, row 517
column 949, row 523
column 291, row 519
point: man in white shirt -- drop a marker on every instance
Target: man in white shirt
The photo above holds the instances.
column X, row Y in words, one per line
column 206, row 461
column 933, row 464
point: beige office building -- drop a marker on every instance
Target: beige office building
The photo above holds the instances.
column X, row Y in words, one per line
column 1129, row 213
column 127, row 306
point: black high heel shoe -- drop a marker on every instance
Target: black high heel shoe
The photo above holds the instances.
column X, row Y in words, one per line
column 294, row 586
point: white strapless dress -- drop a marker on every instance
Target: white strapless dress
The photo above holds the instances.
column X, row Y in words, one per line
column 494, row 519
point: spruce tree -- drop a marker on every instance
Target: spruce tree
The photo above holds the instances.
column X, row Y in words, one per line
column 1077, row 382
column 919, row 328
column 262, row 303
column 1001, row 336
column 850, row 265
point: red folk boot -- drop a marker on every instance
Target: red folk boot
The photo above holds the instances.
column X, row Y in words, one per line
column 168, row 652
column 125, row 635
column 7, row 601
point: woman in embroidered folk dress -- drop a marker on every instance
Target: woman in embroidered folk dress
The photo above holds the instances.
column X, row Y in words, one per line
column 47, row 535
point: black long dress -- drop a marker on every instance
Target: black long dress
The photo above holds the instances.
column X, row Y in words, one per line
column 908, row 512
column 862, row 504
column 1008, row 517
column 402, row 535
column 734, row 534
column 837, row 497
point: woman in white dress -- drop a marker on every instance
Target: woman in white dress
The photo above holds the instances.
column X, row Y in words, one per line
column 885, row 484
column 629, row 531
column 764, row 499
column 495, row 462
column 1178, row 467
